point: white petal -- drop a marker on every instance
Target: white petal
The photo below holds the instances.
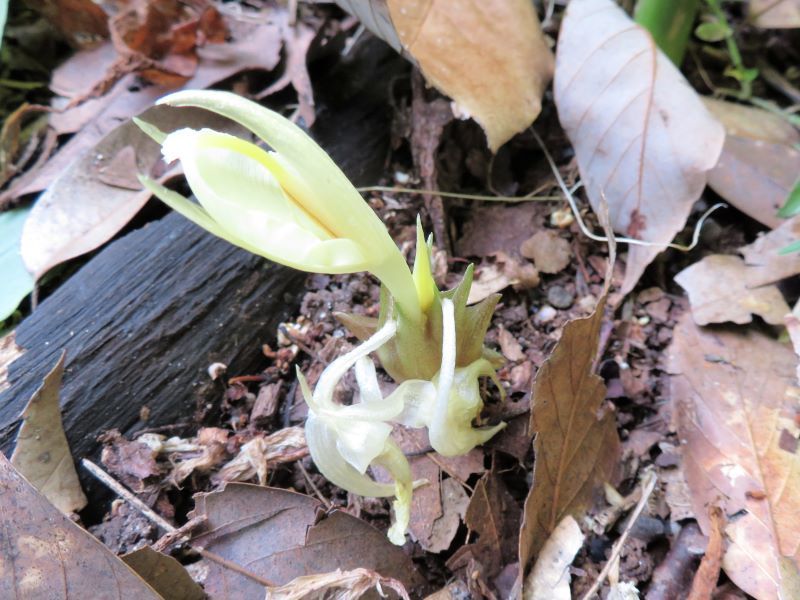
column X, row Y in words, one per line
column 359, row 442
column 323, row 448
column 418, row 399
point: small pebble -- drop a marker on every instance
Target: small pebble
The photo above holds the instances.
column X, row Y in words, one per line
column 560, row 297
column 545, row 314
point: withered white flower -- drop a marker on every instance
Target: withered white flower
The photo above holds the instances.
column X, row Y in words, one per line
column 345, row 440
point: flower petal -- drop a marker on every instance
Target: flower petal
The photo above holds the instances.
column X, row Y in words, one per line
column 322, row 445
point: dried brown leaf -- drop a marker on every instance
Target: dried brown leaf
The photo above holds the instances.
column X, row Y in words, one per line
column 759, row 161
column 285, row 445
column 775, row 13
column 164, row 574
column 642, row 137
column 549, row 252
column 735, row 405
column 490, row 57
column 338, row 585
column 718, row 292
column 549, row 579
column 763, row 258
column 279, row 535
column 45, row 555
column 454, row 508
column 42, row 453
column 509, row 345
column 494, row 515
column 576, row 448
column 83, row 23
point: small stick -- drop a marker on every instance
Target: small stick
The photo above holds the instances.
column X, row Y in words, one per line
column 146, row 511
column 311, row 483
column 648, row 485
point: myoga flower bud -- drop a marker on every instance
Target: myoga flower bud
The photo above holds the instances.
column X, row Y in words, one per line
column 290, row 204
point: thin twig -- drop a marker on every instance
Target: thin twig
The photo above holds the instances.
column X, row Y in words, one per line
column 116, row 487
column 648, row 485
column 402, row 190
column 314, row 487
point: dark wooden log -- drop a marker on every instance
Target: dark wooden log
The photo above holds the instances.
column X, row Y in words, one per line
column 143, row 319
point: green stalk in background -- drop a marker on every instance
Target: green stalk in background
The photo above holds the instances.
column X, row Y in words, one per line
column 670, row 23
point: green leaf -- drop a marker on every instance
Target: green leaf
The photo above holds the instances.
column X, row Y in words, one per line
column 713, row 31
column 17, row 282
column 793, row 247
column 792, row 205
column 743, row 75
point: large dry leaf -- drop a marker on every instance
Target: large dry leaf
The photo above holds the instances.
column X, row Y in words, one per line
column 280, row 535
column 549, row 579
column 765, row 262
column 42, row 453
column 719, row 291
column 759, row 162
column 576, row 448
column 99, row 193
column 775, row 13
column 490, row 57
column 45, row 555
column 735, row 405
column 165, row 574
column 642, row 137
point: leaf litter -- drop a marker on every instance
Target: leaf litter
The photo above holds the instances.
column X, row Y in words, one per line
column 465, row 517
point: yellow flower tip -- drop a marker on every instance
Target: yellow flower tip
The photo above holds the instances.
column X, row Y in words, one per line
column 422, row 274
column 150, row 130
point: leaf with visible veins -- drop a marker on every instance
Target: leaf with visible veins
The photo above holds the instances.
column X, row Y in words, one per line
column 736, row 417
column 642, row 137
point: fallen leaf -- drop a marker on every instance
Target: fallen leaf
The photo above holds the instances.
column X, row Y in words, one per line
column 164, row 574
column 718, row 292
column 707, row 575
column 642, row 137
column 344, row 585
column 499, row 228
column 80, row 211
column 454, row 508
column 509, row 346
column 42, row 453
column 793, row 329
column 763, row 258
column 9, row 352
column 494, row 515
column 549, row 579
column 735, row 406
column 497, row 74
column 548, row 251
column 17, row 282
column 575, row 448
column 493, row 277
column 759, row 161
column 775, row 13
column 278, row 535
column 256, row 45
column 45, row 555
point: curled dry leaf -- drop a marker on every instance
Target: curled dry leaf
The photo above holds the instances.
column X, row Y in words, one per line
column 342, row 585
column 45, row 555
column 642, row 137
column 285, row 445
column 497, row 74
column 735, row 406
column 549, row 579
column 759, row 161
column 280, row 535
column 775, row 13
column 575, row 447
column 42, row 453
column 718, row 292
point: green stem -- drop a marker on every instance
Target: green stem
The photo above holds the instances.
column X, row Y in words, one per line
column 670, row 23
column 733, row 49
